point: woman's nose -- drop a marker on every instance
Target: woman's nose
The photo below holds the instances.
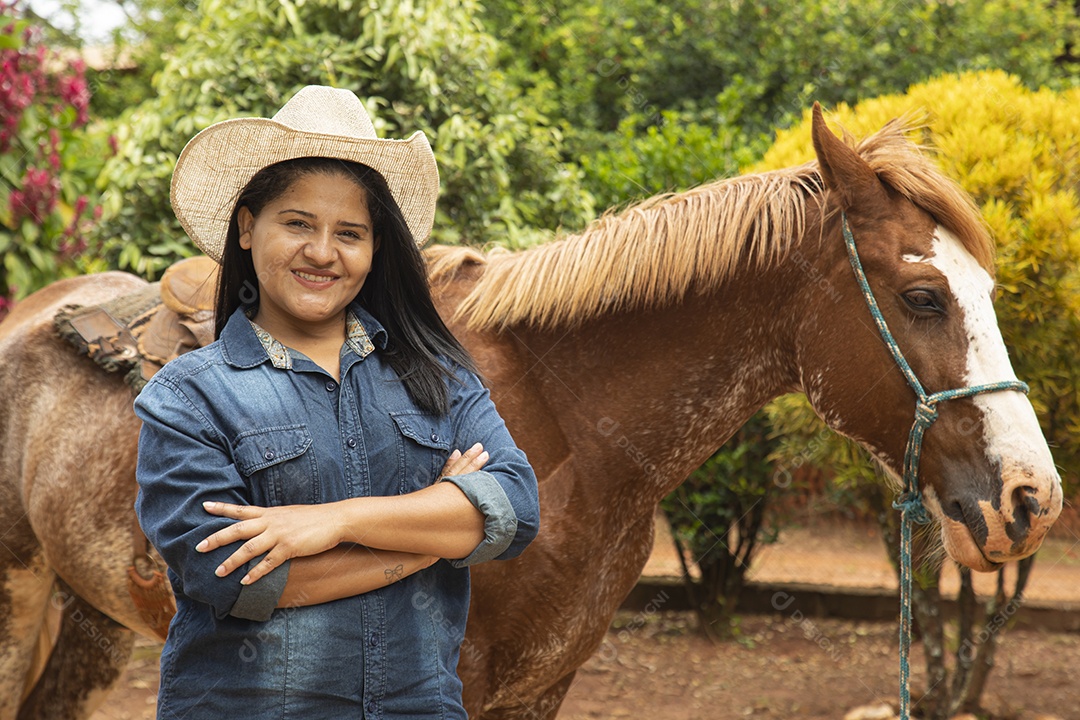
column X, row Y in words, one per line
column 320, row 247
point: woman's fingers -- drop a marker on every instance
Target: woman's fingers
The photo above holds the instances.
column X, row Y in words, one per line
column 264, row 566
column 471, row 460
column 250, row 550
column 448, row 467
column 237, row 512
column 237, row 531
column 475, row 463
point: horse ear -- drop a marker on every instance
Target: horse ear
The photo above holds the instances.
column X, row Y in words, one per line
column 844, row 173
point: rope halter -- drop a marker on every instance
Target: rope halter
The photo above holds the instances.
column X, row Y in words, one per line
column 909, row 502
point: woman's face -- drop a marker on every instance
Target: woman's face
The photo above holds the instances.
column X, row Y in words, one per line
column 312, row 249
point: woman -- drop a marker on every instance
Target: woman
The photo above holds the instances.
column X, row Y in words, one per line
column 322, row 419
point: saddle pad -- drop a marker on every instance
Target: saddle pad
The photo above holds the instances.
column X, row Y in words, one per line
column 141, row 331
column 108, row 332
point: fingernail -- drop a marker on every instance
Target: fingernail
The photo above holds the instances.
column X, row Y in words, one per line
column 483, row 455
column 209, row 505
column 246, row 580
column 476, row 446
column 220, row 572
column 201, row 547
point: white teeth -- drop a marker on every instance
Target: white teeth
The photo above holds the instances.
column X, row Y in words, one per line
column 313, row 278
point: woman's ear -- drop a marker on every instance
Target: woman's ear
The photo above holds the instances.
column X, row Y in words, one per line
column 245, row 223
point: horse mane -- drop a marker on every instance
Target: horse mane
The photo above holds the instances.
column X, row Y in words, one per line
column 640, row 257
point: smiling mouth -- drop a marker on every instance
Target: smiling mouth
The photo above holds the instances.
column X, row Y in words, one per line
column 315, row 279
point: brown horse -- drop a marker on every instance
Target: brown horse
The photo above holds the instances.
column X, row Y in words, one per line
column 621, row 359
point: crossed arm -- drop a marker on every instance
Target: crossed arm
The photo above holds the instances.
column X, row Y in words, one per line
column 353, row 546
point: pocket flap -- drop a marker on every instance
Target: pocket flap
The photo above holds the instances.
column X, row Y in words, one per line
column 424, row 429
column 259, row 449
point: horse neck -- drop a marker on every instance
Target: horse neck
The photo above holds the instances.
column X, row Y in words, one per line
column 651, row 394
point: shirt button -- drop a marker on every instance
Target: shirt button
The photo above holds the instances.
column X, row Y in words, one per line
column 371, row 706
column 269, row 455
column 331, row 386
column 351, row 442
column 374, row 640
column 434, row 437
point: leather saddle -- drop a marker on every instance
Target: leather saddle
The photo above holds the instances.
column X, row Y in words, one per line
column 142, row 331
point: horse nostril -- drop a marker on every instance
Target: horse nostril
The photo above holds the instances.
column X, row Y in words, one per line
column 1025, row 506
column 955, row 511
column 1028, row 497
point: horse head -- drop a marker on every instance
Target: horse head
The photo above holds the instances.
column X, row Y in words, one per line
column 986, row 474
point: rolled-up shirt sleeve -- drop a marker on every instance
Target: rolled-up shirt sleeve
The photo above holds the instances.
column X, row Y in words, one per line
column 505, row 490
column 183, row 462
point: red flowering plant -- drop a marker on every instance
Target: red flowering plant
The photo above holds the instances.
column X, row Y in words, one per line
column 48, row 163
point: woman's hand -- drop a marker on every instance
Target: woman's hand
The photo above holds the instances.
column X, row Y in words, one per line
column 281, row 532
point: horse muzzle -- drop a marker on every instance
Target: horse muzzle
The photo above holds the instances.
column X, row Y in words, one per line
column 983, row 533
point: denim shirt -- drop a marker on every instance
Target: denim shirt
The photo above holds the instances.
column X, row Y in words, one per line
column 249, row 422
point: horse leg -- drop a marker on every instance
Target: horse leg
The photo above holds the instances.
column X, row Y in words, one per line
column 25, row 585
column 87, row 661
column 545, row 707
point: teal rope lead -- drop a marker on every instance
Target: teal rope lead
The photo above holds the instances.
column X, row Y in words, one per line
column 909, row 502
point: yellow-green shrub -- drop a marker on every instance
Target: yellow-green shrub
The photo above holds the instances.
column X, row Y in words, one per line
column 1017, row 151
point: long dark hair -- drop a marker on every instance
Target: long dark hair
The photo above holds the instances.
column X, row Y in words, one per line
column 396, row 290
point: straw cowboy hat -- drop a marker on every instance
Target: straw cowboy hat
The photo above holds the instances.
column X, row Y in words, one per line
column 217, row 164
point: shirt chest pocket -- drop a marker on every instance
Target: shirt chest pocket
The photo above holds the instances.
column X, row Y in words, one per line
column 423, row 446
column 279, row 465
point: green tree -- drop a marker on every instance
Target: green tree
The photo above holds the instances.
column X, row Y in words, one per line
column 637, row 85
column 419, row 65
column 767, row 60
column 138, row 51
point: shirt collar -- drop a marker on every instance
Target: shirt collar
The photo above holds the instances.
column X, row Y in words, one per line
column 278, row 353
column 368, row 331
column 246, row 345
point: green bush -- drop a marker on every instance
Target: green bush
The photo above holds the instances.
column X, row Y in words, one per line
column 419, row 66
column 645, row 157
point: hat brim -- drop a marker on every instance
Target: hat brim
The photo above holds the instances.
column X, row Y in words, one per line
column 218, row 163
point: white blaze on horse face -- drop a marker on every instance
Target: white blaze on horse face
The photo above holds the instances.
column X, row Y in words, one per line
column 1011, row 433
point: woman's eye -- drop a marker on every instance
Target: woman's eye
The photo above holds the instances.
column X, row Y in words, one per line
column 297, row 223
column 923, row 301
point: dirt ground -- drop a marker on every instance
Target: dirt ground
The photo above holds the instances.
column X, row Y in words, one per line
column 780, row 668
column 655, row 665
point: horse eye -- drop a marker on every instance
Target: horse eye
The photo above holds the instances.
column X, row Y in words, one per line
column 923, row 301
